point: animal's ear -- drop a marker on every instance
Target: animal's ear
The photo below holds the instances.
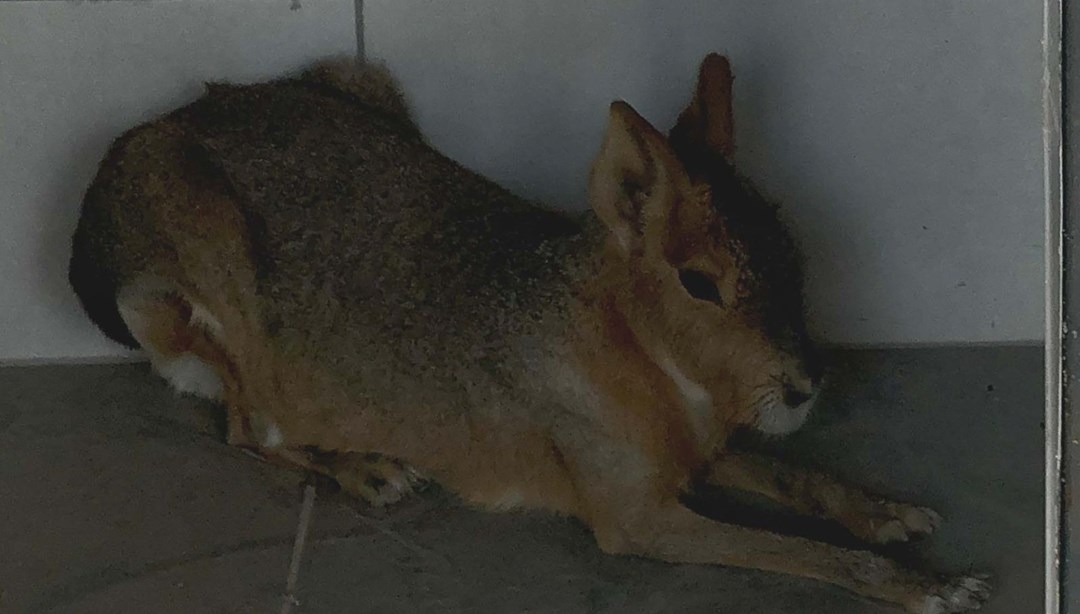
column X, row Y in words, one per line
column 708, row 121
column 635, row 179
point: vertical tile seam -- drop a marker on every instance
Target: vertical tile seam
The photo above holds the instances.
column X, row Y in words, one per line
column 359, row 11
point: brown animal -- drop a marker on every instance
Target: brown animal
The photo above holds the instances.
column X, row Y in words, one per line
column 296, row 249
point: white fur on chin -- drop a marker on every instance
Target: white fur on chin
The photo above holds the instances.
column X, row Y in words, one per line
column 778, row 418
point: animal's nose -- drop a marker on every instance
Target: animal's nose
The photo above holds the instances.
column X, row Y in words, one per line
column 793, row 397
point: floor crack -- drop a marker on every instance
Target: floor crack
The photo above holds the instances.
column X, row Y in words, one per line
column 289, row 598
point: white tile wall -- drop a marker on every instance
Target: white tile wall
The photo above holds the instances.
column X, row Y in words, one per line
column 904, row 138
column 74, row 75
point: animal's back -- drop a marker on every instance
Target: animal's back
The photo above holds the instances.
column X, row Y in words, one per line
column 374, row 254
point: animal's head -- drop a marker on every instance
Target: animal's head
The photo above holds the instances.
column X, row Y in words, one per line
column 713, row 285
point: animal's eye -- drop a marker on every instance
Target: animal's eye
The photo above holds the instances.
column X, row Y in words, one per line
column 699, row 285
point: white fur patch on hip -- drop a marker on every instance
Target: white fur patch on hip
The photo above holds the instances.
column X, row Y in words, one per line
column 189, row 374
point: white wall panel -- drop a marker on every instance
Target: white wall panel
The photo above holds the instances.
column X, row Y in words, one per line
column 904, row 138
column 74, row 75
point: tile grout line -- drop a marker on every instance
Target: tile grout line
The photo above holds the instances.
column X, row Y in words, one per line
column 359, row 12
column 298, row 549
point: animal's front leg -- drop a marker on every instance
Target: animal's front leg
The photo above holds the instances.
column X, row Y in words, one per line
column 873, row 519
column 675, row 534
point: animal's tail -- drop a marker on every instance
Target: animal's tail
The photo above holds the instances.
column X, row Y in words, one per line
column 94, row 282
column 367, row 81
column 97, row 290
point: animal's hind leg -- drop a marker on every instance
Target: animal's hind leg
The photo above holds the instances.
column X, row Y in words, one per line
column 378, row 480
column 180, row 338
column 173, row 334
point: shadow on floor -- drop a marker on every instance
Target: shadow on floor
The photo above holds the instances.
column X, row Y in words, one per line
column 120, row 497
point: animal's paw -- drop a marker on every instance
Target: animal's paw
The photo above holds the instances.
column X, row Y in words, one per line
column 902, row 522
column 961, row 594
column 376, row 479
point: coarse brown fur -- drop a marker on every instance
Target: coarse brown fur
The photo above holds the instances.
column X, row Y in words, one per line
column 359, row 301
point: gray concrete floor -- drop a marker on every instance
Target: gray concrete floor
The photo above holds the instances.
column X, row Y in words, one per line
column 117, row 496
